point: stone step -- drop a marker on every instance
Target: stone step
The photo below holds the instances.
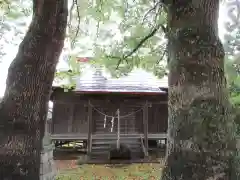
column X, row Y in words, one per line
column 108, row 147
column 113, row 135
column 101, row 147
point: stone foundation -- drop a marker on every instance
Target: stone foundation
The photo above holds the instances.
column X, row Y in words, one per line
column 47, row 168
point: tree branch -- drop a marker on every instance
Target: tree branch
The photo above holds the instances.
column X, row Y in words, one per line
column 157, row 4
column 78, row 25
column 164, row 53
column 139, row 45
column 151, row 10
column 151, row 34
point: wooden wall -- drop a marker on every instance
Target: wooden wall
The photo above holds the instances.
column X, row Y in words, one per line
column 130, row 118
column 70, row 113
column 69, row 118
column 60, row 118
column 158, row 118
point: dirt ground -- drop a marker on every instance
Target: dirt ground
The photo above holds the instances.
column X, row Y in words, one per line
column 65, row 164
column 66, row 160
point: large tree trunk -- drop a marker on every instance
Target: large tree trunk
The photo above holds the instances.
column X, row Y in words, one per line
column 201, row 142
column 24, row 106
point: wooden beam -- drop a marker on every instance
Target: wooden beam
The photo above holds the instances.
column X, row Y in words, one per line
column 100, row 103
column 145, row 126
column 114, row 100
column 72, row 136
column 90, row 123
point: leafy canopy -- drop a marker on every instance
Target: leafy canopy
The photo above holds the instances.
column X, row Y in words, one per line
column 115, row 33
column 120, row 34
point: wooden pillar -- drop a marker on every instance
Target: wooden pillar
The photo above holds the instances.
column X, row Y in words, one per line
column 70, row 120
column 90, row 124
column 145, row 126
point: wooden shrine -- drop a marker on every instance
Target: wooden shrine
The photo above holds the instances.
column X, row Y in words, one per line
column 103, row 112
column 92, row 116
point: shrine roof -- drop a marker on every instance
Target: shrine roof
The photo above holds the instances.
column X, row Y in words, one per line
column 97, row 80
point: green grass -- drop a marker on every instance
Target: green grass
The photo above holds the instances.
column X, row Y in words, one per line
column 145, row 171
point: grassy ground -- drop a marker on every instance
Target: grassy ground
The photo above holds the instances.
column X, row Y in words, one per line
column 68, row 170
column 112, row 172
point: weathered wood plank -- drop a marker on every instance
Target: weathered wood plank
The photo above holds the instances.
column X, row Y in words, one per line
column 132, row 103
column 90, row 127
column 145, row 125
column 78, row 136
column 70, row 120
column 69, row 136
column 158, row 136
column 66, row 97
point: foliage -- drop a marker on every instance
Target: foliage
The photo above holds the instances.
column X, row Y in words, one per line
column 232, row 68
column 124, row 32
column 232, row 40
column 14, row 15
column 74, row 71
column 232, row 37
column 232, row 62
column 118, row 34
column 110, row 32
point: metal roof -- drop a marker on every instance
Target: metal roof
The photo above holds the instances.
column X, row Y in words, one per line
column 86, row 86
column 138, row 81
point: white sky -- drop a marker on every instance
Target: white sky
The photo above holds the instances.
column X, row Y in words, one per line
column 11, row 50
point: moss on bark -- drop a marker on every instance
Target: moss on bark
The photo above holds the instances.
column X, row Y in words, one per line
column 202, row 133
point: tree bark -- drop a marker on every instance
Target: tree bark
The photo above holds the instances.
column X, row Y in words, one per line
column 24, row 106
column 201, row 144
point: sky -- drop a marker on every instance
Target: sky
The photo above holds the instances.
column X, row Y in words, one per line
column 11, row 50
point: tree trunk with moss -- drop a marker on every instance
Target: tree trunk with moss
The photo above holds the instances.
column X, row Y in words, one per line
column 201, row 143
column 23, row 108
